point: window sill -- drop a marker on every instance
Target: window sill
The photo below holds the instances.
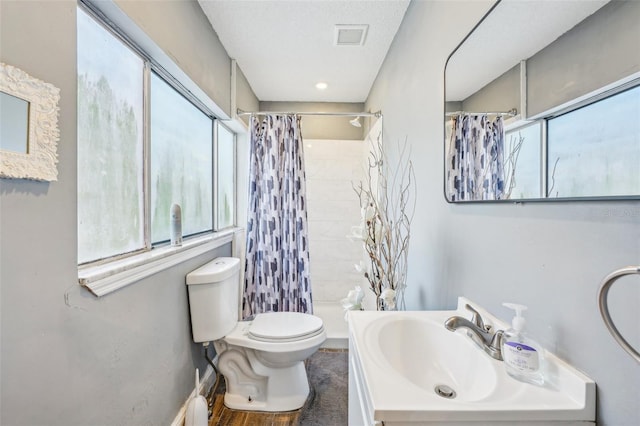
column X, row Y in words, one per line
column 108, row 277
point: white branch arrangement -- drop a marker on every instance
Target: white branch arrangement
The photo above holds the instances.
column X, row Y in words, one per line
column 387, row 200
column 510, row 163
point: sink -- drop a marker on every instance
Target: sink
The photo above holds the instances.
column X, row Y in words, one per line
column 435, row 357
column 406, row 368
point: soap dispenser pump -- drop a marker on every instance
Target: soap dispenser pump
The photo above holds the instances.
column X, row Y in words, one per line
column 523, row 356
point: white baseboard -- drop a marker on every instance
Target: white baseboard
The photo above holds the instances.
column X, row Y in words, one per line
column 206, row 382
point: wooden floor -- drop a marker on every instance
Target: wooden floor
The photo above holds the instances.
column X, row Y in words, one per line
column 223, row 416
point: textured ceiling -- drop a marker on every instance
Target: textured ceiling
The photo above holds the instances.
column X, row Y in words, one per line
column 515, row 30
column 285, row 47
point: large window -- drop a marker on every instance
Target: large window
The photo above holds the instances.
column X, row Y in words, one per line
column 110, row 144
column 181, row 162
column 142, row 146
column 595, row 150
column 589, row 151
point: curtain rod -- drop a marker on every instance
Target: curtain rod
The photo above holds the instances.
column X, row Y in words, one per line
column 376, row 114
column 511, row 113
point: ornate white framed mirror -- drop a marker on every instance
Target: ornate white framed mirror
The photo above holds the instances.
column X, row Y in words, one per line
column 28, row 126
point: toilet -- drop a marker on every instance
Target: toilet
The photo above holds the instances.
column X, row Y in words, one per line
column 262, row 360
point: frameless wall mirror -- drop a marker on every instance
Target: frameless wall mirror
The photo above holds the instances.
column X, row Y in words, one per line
column 542, row 102
column 28, row 126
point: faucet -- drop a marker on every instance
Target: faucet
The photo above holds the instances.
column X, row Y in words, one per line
column 481, row 334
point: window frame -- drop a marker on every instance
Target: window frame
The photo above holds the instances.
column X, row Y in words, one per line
column 607, row 95
column 102, row 276
column 513, row 125
column 148, row 185
column 216, row 193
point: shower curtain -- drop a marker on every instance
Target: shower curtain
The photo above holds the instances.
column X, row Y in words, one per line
column 475, row 161
column 277, row 263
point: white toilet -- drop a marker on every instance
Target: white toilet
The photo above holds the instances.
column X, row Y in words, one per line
column 262, row 360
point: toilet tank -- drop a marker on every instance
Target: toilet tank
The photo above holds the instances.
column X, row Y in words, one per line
column 214, row 291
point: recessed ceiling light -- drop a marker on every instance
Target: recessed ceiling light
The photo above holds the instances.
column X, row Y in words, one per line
column 321, row 85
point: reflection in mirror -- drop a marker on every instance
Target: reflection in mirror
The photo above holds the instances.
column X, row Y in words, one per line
column 14, row 116
column 571, row 73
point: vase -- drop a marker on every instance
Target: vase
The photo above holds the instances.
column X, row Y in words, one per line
column 382, row 306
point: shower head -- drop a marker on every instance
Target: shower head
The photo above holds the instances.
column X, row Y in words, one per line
column 355, row 122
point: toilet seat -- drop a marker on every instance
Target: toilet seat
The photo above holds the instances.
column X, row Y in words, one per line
column 284, row 327
column 239, row 336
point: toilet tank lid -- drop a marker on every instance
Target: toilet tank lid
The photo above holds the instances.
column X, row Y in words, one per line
column 217, row 270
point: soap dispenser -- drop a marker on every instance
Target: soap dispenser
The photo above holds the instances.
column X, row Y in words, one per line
column 523, row 356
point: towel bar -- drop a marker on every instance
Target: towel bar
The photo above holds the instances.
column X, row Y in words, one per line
column 604, row 308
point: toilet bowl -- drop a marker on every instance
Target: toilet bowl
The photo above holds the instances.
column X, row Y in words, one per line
column 262, row 360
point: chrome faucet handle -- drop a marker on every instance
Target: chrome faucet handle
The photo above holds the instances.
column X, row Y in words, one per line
column 495, row 347
column 496, row 341
column 476, row 318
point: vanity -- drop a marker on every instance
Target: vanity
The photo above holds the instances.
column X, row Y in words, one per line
column 406, row 368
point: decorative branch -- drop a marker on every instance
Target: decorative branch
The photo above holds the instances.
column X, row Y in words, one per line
column 387, row 198
column 553, row 178
column 511, row 162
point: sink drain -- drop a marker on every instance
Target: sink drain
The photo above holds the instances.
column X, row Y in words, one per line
column 445, row 391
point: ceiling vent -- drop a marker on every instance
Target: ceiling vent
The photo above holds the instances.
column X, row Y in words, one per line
column 350, row 35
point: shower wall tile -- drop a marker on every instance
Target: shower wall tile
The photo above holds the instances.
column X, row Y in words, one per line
column 327, row 149
column 336, row 210
column 335, row 189
column 327, row 271
column 335, row 250
column 330, row 229
column 332, row 167
column 335, row 290
column 338, row 169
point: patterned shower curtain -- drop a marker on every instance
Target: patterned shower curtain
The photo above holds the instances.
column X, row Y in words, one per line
column 475, row 161
column 277, row 264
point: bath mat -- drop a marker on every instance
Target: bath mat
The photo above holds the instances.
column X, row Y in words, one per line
column 328, row 373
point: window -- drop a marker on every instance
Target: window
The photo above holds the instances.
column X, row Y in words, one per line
column 523, row 169
column 226, row 179
column 143, row 145
column 595, row 150
column 590, row 150
column 181, row 162
column 110, row 144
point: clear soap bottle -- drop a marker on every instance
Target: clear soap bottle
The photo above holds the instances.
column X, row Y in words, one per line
column 523, row 356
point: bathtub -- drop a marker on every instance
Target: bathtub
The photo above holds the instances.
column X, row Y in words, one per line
column 335, row 325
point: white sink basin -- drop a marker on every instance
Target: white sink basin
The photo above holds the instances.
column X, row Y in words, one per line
column 400, row 360
column 434, row 357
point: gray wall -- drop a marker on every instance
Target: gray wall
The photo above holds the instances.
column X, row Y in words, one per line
column 502, row 94
column 601, row 50
column 246, row 100
column 182, row 30
column 453, row 106
column 550, row 256
column 68, row 358
column 322, row 127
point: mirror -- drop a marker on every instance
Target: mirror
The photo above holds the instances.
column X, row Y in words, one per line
column 14, row 116
column 28, row 126
column 542, row 102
